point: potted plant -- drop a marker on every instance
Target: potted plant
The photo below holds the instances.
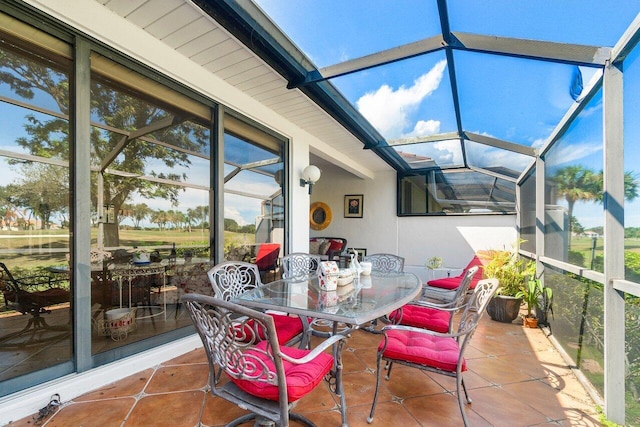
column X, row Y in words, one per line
column 511, row 271
column 534, row 294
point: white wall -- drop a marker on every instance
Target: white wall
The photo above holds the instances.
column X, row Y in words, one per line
column 454, row 238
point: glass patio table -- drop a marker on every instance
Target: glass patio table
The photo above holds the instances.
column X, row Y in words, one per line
column 359, row 302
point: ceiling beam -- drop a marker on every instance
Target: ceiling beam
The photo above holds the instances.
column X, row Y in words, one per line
column 429, row 138
column 499, row 143
column 377, row 59
column 590, row 56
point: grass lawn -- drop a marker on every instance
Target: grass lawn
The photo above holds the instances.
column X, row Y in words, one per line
column 41, row 248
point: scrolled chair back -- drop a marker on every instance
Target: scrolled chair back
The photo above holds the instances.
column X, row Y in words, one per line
column 475, row 308
column 232, row 278
column 300, row 264
column 385, row 263
column 228, row 332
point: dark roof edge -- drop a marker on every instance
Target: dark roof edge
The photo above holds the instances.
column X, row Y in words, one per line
column 245, row 21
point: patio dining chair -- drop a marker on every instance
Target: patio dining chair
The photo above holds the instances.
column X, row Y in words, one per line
column 382, row 263
column 265, row 378
column 433, row 351
column 34, row 295
column 444, row 289
column 299, row 264
column 432, row 315
column 232, row 278
column 385, row 263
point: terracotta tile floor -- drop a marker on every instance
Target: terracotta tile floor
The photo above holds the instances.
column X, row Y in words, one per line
column 515, row 378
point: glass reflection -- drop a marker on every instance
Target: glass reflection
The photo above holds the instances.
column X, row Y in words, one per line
column 36, row 327
column 574, row 211
column 150, row 206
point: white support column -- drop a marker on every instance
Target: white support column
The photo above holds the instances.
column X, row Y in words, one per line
column 614, row 307
column 540, row 211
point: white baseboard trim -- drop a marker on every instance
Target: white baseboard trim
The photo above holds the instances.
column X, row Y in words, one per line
column 26, row 402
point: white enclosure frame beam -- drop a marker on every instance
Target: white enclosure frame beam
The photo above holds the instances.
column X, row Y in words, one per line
column 614, row 305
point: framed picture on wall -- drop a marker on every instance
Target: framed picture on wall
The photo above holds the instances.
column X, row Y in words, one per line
column 353, row 205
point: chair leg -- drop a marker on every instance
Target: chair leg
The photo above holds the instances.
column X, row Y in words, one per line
column 375, row 394
column 459, row 383
column 389, row 366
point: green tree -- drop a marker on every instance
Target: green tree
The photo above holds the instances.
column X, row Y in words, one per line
column 230, row 224
column 43, row 190
column 129, row 150
column 630, row 186
column 159, row 217
column 574, row 183
column 139, row 212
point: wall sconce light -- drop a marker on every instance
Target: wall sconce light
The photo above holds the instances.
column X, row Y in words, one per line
column 310, row 175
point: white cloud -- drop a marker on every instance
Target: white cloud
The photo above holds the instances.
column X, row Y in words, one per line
column 569, row 153
column 424, row 128
column 389, row 111
column 230, row 212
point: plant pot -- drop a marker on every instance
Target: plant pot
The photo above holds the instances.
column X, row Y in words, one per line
column 530, row 322
column 504, row 308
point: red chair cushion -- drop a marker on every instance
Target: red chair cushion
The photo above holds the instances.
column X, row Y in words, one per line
column 422, row 317
column 454, row 282
column 423, row 349
column 267, row 255
column 301, row 379
column 336, row 245
column 287, row 327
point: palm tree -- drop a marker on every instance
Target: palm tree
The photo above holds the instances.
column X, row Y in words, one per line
column 574, row 183
column 630, row 186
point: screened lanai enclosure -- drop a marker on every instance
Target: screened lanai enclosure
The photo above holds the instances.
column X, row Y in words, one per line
column 512, row 107
column 144, row 141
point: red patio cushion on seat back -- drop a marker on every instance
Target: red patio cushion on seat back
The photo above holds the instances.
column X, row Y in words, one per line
column 336, row 245
column 287, row 327
column 301, row 379
column 422, row 317
column 267, row 255
column 454, row 282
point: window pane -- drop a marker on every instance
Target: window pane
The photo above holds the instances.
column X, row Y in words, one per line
column 253, row 202
column 456, row 192
column 35, row 310
column 528, row 212
column 150, row 200
column 439, row 154
column 498, row 160
column 578, row 322
column 632, row 165
column 574, row 212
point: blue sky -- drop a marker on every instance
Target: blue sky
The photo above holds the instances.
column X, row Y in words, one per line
column 509, row 98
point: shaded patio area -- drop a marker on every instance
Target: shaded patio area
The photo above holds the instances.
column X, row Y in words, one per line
column 515, row 378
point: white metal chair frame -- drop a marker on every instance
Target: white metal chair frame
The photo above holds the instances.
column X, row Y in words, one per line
column 385, row 263
column 452, row 307
column 472, row 313
column 232, row 278
column 230, row 345
column 300, row 264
